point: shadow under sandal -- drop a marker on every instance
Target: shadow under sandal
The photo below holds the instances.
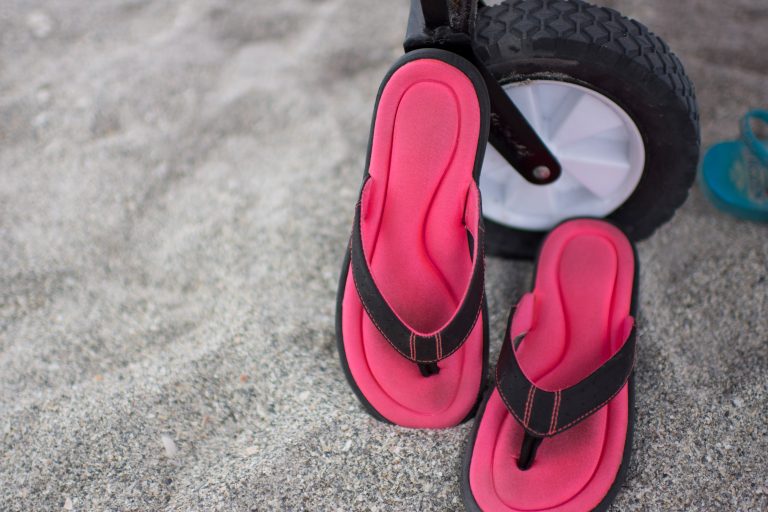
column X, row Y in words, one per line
column 555, row 433
column 411, row 306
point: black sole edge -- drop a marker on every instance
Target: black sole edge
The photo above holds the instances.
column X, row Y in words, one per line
column 469, row 70
column 466, row 491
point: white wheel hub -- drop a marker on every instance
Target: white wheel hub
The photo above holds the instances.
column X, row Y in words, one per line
column 599, row 148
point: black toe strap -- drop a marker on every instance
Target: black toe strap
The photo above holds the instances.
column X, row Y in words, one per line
column 547, row 413
column 414, row 346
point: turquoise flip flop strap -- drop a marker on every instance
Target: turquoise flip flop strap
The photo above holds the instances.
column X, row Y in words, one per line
column 753, row 169
column 756, row 146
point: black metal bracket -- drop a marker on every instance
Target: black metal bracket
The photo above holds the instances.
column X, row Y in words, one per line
column 449, row 25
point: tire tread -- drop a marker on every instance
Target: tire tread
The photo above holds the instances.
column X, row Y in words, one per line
column 519, row 25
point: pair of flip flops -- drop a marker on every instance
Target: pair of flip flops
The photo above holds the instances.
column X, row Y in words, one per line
column 554, row 433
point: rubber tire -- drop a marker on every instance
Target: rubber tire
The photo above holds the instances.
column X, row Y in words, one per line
column 596, row 47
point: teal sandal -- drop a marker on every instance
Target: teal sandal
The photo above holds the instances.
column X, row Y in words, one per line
column 734, row 174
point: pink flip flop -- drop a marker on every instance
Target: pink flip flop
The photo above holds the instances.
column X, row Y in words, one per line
column 411, row 323
column 556, row 432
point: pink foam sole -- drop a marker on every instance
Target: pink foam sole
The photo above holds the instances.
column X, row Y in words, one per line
column 576, row 318
column 423, row 152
